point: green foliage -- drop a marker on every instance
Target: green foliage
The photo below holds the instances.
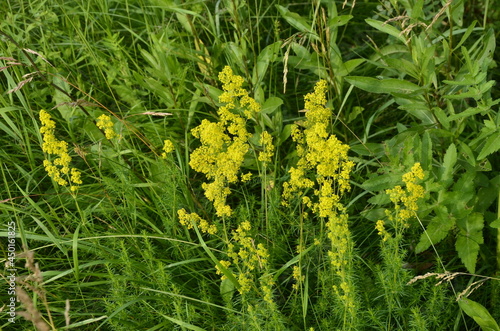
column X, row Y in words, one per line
column 118, row 78
column 479, row 314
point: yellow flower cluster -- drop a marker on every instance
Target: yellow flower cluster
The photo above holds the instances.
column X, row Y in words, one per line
column 52, row 146
column 380, row 226
column 188, row 220
column 168, row 147
column 224, row 143
column 298, row 277
column 324, row 167
column 248, row 257
column 267, row 142
column 405, row 201
column 346, row 295
column 104, row 123
column 321, row 153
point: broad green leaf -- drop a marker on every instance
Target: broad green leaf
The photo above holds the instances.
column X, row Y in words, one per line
column 213, row 93
column 374, row 214
column 285, row 133
column 380, row 199
column 441, row 117
column 339, row 20
column 348, row 66
column 61, row 99
column 486, row 56
column 404, row 66
column 464, row 81
column 495, row 223
column 472, row 93
column 267, row 55
column 492, row 145
column 457, row 12
column 301, row 52
column 390, row 85
column 271, row 105
column 437, row 230
column 381, row 182
column 354, row 113
column 368, row 149
column 386, row 28
column 467, row 155
column 295, row 20
column 479, row 314
column 227, row 290
column 469, row 238
column 450, row 158
column 235, row 55
column 466, row 35
column 416, row 108
column 416, row 11
column 468, row 112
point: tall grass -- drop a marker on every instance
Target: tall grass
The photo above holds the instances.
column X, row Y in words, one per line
column 261, row 165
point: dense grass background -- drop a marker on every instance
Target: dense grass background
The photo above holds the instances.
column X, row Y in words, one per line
column 113, row 255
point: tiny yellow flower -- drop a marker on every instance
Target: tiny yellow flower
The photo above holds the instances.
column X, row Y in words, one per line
column 224, row 144
column 168, row 147
column 405, row 200
column 52, row 146
column 189, row 220
column 104, row 123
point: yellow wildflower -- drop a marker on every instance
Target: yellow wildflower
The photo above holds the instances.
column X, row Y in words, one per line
column 189, row 220
column 249, row 258
column 52, row 146
column 104, row 123
column 380, row 226
column 245, row 281
column 224, row 143
column 324, row 167
column 267, row 142
column 405, row 201
column 168, row 147
column 320, row 153
column 225, row 264
column 297, row 275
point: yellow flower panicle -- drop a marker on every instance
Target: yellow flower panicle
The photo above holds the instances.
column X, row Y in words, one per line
column 405, row 201
column 59, row 167
column 168, row 147
column 380, row 226
column 267, row 142
column 319, row 153
column 224, row 143
column 189, row 220
column 104, row 123
column 298, row 277
column 324, row 169
column 249, row 258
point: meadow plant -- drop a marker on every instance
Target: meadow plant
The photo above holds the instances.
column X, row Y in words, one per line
column 105, row 124
column 60, row 166
column 324, row 168
column 390, row 273
column 168, row 147
column 405, row 202
column 225, row 143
